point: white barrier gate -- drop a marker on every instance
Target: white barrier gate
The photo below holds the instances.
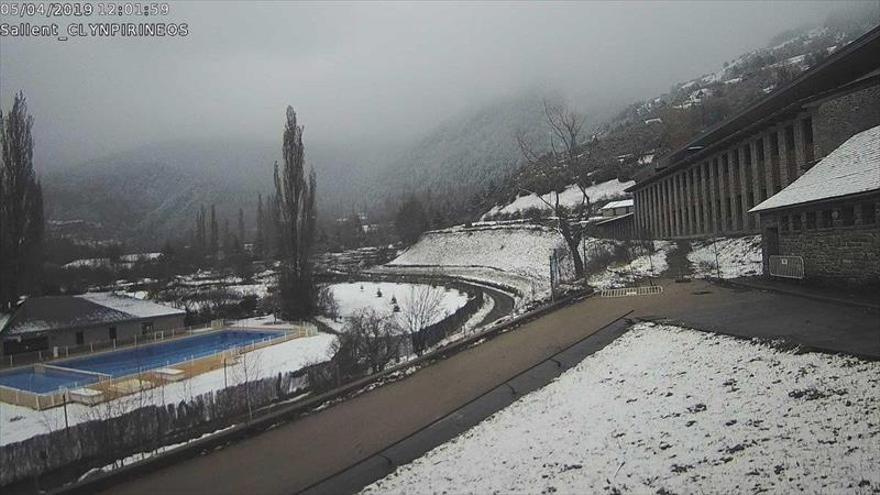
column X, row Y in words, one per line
column 787, row 266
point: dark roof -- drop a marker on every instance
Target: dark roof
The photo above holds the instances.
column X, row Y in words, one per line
column 39, row 314
column 850, row 63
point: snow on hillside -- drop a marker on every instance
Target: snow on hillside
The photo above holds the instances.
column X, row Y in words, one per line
column 668, row 410
column 19, row 423
column 380, row 296
column 515, row 256
column 643, row 266
column 569, row 197
column 737, row 257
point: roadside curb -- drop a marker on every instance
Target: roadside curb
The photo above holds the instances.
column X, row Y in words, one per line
column 781, row 290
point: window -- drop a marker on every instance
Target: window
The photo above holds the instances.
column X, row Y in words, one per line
column 869, row 214
column 783, row 223
column 811, row 220
column 146, row 327
column 848, row 214
column 80, row 338
column 796, row 223
column 112, row 333
column 827, row 218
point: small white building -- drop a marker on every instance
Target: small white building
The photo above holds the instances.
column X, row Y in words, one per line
column 617, row 208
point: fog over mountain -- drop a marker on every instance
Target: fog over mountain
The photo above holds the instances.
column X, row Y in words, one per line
column 393, row 96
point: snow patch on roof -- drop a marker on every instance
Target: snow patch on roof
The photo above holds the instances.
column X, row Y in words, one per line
column 852, row 168
column 135, row 307
column 623, row 203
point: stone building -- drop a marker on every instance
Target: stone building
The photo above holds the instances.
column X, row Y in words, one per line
column 830, row 216
column 46, row 323
column 709, row 186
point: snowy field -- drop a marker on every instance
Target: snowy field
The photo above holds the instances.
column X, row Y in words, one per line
column 570, row 196
column 737, row 257
column 19, row 423
column 668, row 410
column 643, row 266
column 515, row 256
column 355, row 297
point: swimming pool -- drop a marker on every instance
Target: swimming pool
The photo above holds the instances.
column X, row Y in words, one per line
column 130, row 361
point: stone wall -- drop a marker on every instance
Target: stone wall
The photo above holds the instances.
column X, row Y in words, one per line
column 838, row 119
column 832, row 250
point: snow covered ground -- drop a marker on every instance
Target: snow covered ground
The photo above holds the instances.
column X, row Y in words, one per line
column 737, row 257
column 358, row 296
column 669, row 410
column 643, row 266
column 570, row 196
column 19, row 423
column 515, row 256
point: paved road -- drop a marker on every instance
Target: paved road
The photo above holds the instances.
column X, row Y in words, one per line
column 296, row 455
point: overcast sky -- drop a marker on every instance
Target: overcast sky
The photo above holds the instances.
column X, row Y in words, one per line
column 360, row 72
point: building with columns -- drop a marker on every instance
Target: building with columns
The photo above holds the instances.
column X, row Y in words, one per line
column 709, row 186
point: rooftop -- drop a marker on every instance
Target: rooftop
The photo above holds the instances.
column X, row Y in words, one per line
column 40, row 314
column 623, row 203
column 853, row 168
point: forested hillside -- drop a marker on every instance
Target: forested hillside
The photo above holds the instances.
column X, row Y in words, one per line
column 644, row 131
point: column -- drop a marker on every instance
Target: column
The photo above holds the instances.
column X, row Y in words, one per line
column 800, row 150
column 733, row 189
column 679, row 223
column 745, row 182
column 688, row 202
column 713, row 195
column 782, row 157
column 655, row 212
column 705, row 197
column 771, row 172
column 697, row 198
column 723, row 195
column 757, row 180
column 670, row 210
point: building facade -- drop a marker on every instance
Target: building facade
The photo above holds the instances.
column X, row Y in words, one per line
column 59, row 322
column 830, row 217
column 710, row 185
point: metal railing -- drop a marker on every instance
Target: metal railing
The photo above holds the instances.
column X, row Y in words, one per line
column 59, row 352
column 787, row 266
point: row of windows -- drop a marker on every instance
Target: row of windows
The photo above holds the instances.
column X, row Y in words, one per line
column 822, row 219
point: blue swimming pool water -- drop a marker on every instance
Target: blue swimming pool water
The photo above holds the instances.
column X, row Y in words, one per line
column 133, row 360
column 42, row 383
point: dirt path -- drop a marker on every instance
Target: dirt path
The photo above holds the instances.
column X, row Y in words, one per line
column 297, row 454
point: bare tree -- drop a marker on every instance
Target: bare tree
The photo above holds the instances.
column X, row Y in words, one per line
column 21, row 205
column 295, row 206
column 247, row 370
column 420, row 308
column 566, row 128
column 376, row 339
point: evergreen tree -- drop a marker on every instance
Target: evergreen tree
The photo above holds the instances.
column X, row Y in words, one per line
column 21, row 206
column 260, row 241
column 295, row 206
